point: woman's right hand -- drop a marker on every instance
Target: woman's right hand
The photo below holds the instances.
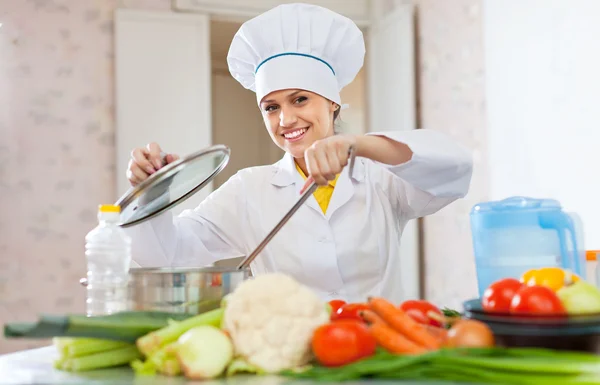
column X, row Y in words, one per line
column 145, row 161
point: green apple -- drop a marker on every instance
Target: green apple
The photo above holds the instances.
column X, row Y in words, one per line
column 580, row 298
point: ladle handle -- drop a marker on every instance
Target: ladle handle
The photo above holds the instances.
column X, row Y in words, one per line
column 309, row 191
column 246, row 262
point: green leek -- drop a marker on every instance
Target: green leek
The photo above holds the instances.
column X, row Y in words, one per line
column 520, row 366
column 124, row 326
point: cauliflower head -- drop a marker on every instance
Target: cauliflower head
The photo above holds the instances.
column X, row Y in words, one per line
column 271, row 320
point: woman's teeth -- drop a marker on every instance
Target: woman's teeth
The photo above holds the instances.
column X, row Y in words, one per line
column 295, row 134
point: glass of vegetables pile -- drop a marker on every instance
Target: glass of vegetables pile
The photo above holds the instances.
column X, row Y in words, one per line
column 273, row 325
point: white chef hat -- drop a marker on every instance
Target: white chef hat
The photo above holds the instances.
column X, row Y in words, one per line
column 297, row 46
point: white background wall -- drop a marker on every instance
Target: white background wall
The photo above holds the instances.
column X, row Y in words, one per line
column 542, row 79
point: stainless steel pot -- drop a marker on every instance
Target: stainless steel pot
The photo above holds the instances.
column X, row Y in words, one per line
column 180, row 290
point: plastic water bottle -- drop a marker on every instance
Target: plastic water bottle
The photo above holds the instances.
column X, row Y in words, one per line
column 108, row 254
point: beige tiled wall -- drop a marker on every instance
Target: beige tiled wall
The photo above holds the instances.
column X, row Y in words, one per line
column 56, row 148
column 57, row 134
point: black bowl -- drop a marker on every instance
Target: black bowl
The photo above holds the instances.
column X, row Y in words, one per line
column 575, row 333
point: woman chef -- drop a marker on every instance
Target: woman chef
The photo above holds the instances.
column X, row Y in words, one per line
column 344, row 242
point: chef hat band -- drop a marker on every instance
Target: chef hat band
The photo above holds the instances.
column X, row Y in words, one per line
column 297, row 46
column 295, row 54
column 293, row 70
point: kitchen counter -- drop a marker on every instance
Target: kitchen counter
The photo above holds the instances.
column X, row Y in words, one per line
column 35, row 367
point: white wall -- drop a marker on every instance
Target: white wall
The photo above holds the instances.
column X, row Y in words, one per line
column 542, row 81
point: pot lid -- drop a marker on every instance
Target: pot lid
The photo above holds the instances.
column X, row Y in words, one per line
column 172, row 185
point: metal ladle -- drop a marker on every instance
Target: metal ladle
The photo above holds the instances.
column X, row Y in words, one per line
column 311, row 189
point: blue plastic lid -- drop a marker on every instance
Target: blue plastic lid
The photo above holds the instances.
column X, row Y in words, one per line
column 516, row 203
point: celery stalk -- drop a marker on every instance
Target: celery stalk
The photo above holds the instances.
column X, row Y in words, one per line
column 91, row 347
column 151, row 342
column 61, row 343
column 58, row 363
column 76, row 347
column 65, row 365
column 143, row 368
column 163, row 361
column 105, row 359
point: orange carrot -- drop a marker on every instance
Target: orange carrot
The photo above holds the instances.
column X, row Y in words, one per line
column 392, row 341
column 403, row 323
column 370, row 317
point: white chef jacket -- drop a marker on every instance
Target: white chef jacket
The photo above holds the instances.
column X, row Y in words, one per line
column 350, row 252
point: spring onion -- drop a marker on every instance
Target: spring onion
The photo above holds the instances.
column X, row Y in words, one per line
column 486, row 366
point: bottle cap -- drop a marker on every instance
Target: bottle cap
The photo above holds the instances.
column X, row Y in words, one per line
column 592, row 255
column 109, row 209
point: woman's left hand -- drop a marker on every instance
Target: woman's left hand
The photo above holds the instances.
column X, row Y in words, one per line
column 327, row 157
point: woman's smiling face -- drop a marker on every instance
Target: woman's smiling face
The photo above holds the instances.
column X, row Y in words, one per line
column 296, row 119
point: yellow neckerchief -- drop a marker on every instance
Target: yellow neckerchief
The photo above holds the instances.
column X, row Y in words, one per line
column 323, row 193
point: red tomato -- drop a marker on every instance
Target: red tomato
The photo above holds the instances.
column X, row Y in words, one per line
column 498, row 296
column 418, row 309
column 342, row 342
column 335, row 304
column 350, row 311
column 536, row 300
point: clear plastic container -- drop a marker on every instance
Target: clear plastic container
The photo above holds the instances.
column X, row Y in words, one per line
column 108, row 254
column 517, row 234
